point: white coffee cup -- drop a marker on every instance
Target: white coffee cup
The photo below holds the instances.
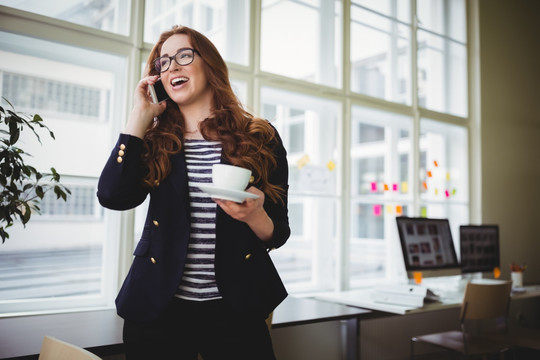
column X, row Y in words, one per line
column 230, row 177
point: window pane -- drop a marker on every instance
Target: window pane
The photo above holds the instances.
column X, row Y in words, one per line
column 309, row 49
column 443, row 17
column 309, row 127
column 398, row 9
column 106, row 15
column 442, row 74
column 224, row 22
column 380, row 56
column 59, row 258
column 380, row 177
column 444, row 165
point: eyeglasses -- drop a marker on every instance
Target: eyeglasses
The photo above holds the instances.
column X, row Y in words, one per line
column 183, row 57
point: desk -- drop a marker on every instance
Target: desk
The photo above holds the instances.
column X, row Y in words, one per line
column 101, row 331
column 363, row 299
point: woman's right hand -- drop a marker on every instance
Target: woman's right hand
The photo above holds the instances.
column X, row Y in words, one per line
column 144, row 110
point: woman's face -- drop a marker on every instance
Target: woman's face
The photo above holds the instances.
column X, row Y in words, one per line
column 186, row 85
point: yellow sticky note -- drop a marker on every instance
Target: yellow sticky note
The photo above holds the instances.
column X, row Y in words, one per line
column 436, row 191
column 389, row 209
column 303, row 161
column 404, row 187
column 423, row 212
column 331, row 165
column 448, row 176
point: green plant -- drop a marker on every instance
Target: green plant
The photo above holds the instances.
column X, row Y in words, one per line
column 22, row 186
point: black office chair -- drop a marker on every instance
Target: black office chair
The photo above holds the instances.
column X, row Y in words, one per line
column 486, row 306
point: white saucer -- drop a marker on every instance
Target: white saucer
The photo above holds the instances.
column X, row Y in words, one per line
column 226, row 194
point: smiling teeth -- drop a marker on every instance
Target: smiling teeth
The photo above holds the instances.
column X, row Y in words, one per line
column 179, row 80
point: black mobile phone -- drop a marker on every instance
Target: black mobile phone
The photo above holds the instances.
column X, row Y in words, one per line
column 157, row 92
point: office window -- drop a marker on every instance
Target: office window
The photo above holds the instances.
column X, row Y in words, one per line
column 380, row 50
column 381, row 149
column 106, row 15
column 309, row 127
column 303, row 40
column 225, row 22
column 366, row 142
column 442, row 56
column 58, row 261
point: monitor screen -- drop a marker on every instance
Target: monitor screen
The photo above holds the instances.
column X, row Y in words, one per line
column 479, row 248
column 428, row 247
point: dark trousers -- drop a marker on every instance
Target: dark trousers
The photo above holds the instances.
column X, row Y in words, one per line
column 187, row 328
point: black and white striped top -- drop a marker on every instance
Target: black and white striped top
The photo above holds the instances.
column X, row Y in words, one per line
column 199, row 281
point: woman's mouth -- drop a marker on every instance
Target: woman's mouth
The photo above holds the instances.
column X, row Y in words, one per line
column 179, row 81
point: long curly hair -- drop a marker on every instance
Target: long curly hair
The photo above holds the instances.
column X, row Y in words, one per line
column 246, row 141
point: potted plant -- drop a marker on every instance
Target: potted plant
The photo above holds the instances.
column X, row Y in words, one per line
column 22, row 187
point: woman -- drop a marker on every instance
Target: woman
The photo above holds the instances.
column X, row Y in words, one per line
column 201, row 279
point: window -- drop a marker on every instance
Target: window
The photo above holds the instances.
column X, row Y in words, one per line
column 225, row 22
column 369, row 96
column 59, row 259
column 381, row 50
column 107, row 15
column 309, row 127
column 309, row 49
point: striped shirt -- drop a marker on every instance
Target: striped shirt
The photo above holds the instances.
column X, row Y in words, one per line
column 199, row 282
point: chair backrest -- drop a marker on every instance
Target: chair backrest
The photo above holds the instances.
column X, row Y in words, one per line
column 54, row 349
column 486, row 300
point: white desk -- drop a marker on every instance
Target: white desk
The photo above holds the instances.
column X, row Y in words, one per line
column 363, row 298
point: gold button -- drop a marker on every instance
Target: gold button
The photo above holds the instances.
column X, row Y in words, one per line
column 122, row 147
column 121, row 152
column 248, row 256
column 156, row 223
column 153, row 260
column 119, row 159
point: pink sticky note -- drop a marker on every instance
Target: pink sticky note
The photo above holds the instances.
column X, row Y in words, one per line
column 374, row 187
column 447, row 193
column 395, row 187
column 377, row 210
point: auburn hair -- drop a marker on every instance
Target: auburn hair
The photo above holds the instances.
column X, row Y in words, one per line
column 246, row 141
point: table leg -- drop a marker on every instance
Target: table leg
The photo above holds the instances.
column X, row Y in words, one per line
column 350, row 331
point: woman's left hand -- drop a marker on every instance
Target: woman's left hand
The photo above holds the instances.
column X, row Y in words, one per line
column 245, row 211
column 251, row 212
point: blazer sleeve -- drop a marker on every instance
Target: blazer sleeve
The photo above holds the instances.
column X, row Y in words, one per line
column 278, row 211
column 120, row 186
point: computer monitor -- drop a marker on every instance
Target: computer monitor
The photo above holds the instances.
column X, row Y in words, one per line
column 427, row 247
column 479, row 246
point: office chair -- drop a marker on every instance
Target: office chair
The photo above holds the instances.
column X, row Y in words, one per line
column 483, row 304
column 54, row 349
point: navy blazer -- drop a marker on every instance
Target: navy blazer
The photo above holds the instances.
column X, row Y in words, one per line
column 245, row 274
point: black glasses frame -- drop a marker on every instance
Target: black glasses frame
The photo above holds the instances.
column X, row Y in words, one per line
column 157, row 62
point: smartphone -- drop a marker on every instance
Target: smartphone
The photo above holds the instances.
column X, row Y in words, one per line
column 157, row 92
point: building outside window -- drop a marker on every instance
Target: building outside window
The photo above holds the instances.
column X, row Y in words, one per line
column 359, row 91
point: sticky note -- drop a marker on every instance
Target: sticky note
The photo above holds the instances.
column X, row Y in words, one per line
column 448, row 176
column 435, row 163
column 436, row 191
column 303, row 161
column 389, row 209
column 429, row 174
column 373, row 186
column 399, row 210
column 404, row 187
column 424, row 185
column 377, row 210
column 386, row 188
column 423, row 212
column 395, row 187
column 331, row 165
column 447, row 193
